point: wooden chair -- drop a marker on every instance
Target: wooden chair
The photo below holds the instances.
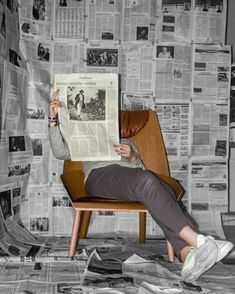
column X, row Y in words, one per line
column 142, row 127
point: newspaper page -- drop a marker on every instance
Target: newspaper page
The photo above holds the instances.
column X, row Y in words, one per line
column 210, row 21
column 16, row 164
column 9, row 28
column 210, row 129
column 209, row 185
column 172, row 71
column 69, row 19
column 36, row 210
column 37, row 109
column 131, row 101
column 89, row 118
column 35, row 18
column 2, row 30
column 211, row 72
column 137, row 68
column 175, row 22
column 62, row 211
column 174, row 121
column 102, row 57
column 179, row 168
column 103, row 20
column 14, row 97
column 139, row 20
column 68, row 57
column 232, row 105
column 37, row 52
column 209, row 222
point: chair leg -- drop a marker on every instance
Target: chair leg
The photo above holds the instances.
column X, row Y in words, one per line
column 75, row 231
column 142, row 227
column 170, row 251
column 86, row 216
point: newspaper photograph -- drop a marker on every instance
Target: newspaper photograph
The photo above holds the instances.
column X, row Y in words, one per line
column 102, row 57
column 89, row 116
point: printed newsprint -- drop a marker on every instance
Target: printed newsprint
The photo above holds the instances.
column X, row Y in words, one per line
column 89, row 116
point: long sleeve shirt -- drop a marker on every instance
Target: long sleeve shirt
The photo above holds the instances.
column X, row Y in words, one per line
column 61, row 151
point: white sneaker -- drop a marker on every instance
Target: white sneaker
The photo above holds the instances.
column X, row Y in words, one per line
column 199, row 260
column 224, row 247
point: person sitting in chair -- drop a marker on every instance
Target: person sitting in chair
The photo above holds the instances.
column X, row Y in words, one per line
column 127, row 179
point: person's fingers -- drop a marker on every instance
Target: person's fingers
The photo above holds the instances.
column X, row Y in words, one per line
column 122, row 149
column 55, row 95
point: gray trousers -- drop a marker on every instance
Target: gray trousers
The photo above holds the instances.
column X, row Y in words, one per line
column 124, row 183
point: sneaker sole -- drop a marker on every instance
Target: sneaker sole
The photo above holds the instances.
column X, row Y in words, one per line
column 226, row 249
column 205, row 258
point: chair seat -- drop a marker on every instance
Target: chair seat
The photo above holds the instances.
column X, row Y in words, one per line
column 104, row 204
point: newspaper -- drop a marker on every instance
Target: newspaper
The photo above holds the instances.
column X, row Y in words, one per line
column 210, row 129
column 68, row 57
column 13, row 97
column 172, row 71
column 69, row 19
column 35, row 18
column 102, row 57
column 208, row 185
column 38, row 52
column 232, row 105
column 174, row 121
column 136, row 101
column 210, row 21
column 103, row 19
column 211, row 73
column 139, row 20
column 175, row 22
column 209, row 222
column 137, row 68
column 89, row 117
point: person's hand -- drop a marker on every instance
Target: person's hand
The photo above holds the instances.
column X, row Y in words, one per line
column 54, row 105
column 125, row 151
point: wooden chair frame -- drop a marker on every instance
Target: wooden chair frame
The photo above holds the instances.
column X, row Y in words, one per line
column 73, row 180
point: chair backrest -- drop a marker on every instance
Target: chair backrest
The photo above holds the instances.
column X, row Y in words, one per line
column 142, row 127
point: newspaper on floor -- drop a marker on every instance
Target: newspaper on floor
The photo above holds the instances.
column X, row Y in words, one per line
column 89, row 116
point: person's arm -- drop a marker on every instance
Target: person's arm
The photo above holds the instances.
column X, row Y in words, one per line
column 129, row 153
column 58, row 145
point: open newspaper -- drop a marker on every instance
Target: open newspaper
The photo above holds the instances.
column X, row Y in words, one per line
column 89, row 116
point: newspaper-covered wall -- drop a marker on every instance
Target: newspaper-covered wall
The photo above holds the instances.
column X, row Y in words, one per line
column 171, row 57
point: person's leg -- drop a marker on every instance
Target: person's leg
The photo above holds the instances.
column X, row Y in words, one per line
column 125, row 183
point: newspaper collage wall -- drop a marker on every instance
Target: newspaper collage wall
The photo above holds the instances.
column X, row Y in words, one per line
column 171, row 57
